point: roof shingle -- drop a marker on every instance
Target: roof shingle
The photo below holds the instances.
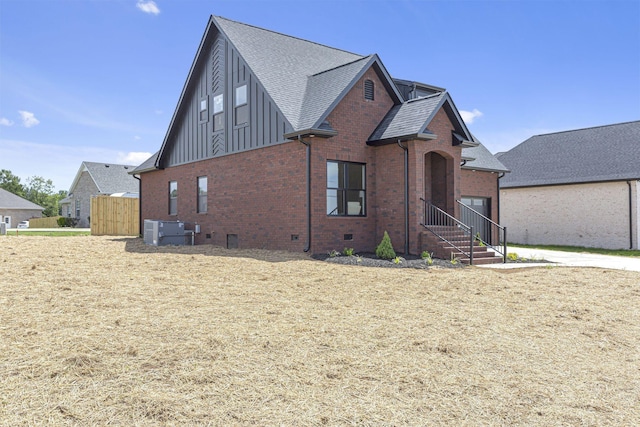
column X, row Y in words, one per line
column 603, row 153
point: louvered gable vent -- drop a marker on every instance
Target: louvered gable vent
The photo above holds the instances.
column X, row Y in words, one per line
column 368, row 90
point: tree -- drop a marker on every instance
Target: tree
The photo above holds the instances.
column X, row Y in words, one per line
column 41, row 192
column 11, row 183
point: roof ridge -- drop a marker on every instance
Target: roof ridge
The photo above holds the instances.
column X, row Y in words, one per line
column 343, row 65
column 586, row 128
column 287, row 35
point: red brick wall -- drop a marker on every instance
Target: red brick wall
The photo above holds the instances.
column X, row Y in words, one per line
column 355, row 119
column 245, row 197
column 481, row 184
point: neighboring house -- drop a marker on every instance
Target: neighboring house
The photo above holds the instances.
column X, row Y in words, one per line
column 94, row 179
column 282, row 143
column 14, row 209
column 577, row 188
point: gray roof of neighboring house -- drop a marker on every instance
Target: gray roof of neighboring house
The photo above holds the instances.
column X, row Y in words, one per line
column 482, row 159
column 108, row 177
column 8, row 200
column 603, row 153
column 304, row 78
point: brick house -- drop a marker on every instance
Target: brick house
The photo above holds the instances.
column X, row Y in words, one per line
column 95, row 179
column 14, row 209
column 282, row 143
column 579, row 188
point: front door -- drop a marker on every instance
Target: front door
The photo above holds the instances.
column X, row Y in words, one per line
column 7, row 220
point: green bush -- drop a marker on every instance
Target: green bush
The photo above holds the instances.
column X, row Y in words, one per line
column 385, row 248
column 67, row 222
column 347, row 252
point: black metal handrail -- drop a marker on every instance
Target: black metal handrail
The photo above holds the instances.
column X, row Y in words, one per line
column 447, row 228
column 489, row 233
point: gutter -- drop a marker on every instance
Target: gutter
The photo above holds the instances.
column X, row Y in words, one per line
column 630, row 216
column 140, row 230
column 500, row 175
column 406, row 196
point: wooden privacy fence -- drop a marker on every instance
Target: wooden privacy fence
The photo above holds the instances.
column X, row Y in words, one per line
column 47, row 222
column 115, row 216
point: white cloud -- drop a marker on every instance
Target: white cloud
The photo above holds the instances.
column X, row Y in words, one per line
column 5, row 122
column 28, row 119
column 470, row 116
column 133, row 157
column 148, row 7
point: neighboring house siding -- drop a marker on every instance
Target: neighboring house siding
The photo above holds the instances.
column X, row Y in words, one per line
column 18, row 215
column 83, row 191
column 589, row 215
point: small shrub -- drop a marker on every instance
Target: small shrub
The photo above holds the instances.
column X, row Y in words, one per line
column 397, row 260
column 67, row 222
column 347, row 252
column 385, row 248
column 427, row 257
column 454, row 259
column 512, row 256
column 334, row 254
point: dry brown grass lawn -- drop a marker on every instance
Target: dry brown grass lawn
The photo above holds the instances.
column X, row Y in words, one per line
column 100, row 330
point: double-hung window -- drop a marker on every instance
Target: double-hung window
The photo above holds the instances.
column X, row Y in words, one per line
column 241, row 106
column 202, row 194
column 345, row 189
column 173, row 197
column 218, row 112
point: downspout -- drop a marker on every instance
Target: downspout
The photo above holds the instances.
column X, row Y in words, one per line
column 630, row 216
column 500, row 175
column 307, row 246
column 140, row 231
column 406, row 197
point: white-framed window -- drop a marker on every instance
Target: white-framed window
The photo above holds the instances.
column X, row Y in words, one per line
column 204, row 110
column 218, row 112
column 241, row 106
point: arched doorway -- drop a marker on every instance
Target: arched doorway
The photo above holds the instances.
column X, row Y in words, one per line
column 437, row 178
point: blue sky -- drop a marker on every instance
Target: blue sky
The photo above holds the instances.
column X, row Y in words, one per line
column 98, row 80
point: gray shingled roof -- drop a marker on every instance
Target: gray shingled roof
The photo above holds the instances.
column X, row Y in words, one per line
column 147, row 165
column 604, row 153
column 289, row 68
column 8, row 200
column 409, row 118
column 482, row 159
column 111, row 178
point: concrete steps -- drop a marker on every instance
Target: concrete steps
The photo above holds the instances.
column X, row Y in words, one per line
column 441, row 249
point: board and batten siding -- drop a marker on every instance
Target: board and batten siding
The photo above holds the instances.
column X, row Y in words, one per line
column 219, row 70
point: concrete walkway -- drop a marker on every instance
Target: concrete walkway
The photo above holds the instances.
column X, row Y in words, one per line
column 569, row 259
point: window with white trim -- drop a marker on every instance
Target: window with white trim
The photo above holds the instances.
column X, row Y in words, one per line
column 241, row 106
